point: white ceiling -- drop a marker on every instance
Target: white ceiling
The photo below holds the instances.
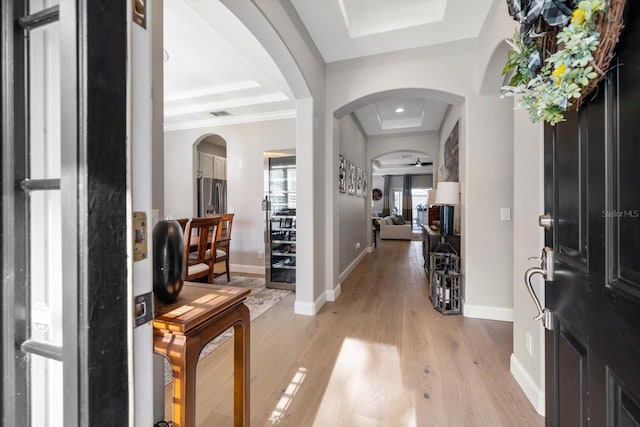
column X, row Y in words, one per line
column 401, row 114
column 346, row 29
column 215, row 64
column 402, row 162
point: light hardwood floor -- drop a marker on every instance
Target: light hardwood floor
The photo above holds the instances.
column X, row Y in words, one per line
column 379, row 356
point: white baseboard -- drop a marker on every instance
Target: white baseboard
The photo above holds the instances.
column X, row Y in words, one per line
column 353, row 265
column 308, row 308
column 243, row 268
column 488, row 312
column 534, row 393
column 334, row 293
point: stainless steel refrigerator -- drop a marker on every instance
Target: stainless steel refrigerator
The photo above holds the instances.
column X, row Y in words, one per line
column 212, row 196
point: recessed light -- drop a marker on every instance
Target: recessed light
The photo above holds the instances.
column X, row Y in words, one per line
column 399, row 110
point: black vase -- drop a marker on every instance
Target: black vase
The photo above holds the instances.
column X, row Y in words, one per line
column 168, row 260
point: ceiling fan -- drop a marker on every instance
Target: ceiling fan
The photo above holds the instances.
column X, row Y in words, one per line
column 418, row 163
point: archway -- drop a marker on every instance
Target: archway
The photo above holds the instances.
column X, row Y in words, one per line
column 420, row 140
column 210, row 165
column 258, row 21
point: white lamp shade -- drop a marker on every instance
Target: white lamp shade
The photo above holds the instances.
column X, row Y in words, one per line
column 448, row 193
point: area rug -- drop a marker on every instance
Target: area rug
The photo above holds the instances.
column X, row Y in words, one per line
column 258, row 301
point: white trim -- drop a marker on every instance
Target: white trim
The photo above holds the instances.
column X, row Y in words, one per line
column 534, row 393
column 310, row 309
column 230, row 120
column 212, row 90
column 194, row 107
column 488, row 312
column 244, row 268
column 334, row 293
column 353, row 265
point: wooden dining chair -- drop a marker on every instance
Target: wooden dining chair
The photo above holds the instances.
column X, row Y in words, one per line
column 183, row 222
column 223, row 240
column 200, row 233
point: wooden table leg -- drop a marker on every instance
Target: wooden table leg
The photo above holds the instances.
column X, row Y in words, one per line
column 241, row 373
column 182, row 353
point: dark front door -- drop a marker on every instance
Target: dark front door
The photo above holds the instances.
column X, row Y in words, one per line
column 592, row 190
column 64, row 310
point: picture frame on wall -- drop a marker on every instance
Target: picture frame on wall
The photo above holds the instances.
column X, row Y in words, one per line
column 365, row 185
column 358, row 182
column 342, row 174
column 351, row 178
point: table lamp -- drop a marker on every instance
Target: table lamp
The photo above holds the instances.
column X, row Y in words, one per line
column 447, row 196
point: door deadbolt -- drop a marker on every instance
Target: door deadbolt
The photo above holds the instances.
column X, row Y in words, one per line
column 545, row 221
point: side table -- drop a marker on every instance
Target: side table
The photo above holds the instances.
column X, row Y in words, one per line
column 181, row 329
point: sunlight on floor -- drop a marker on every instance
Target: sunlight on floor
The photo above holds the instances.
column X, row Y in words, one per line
column 287, row 396
column 366, row 386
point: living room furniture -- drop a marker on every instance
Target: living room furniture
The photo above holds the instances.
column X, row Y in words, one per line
column 182, row 329
column 200, row 233
column 389, row 230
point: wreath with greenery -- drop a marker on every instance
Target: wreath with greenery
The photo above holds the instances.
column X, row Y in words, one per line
column 560, row 54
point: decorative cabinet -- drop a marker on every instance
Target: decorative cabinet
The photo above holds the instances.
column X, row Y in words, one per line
column 281, row 251
column 210, row 166
column 205, row 165
column 219, row 167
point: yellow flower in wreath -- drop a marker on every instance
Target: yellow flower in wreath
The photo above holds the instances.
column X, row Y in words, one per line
column 558, row 73
column 578, row 17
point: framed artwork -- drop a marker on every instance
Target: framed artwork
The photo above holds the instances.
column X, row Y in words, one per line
column 359, row 182
column 365, row 185
column 452, row 156
column 342, row 174
column 351, row 178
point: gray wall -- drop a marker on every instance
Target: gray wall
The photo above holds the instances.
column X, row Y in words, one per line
column 354, row 223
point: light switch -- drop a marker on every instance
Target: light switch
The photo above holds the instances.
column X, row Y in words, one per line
column 505, row 214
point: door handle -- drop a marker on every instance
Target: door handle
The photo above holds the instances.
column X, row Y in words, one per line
column 546, row 270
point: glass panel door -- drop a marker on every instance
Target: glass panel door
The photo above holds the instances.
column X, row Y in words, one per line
column 45, row 227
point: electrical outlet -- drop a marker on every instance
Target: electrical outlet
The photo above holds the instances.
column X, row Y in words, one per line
column 357, row 245
column 260, row 254
column 528, row 343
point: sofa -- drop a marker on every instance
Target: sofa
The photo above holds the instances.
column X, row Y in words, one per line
column 394, row 228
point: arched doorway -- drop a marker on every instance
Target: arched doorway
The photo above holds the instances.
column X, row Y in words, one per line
column 405, row 121
column 210, row 164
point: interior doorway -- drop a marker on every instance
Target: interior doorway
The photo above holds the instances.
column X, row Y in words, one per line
column 420, row 206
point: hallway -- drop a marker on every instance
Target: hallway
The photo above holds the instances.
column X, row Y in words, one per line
column 379, row 356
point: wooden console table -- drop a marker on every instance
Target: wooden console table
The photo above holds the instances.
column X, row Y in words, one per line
column 181, row 329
